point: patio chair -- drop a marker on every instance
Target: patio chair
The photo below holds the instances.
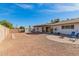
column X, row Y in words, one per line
column 77, row 35
column 73, row 37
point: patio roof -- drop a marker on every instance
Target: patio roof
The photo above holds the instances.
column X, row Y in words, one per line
column 72, row 21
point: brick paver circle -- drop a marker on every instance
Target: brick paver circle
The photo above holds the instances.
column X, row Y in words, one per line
column 62, row 40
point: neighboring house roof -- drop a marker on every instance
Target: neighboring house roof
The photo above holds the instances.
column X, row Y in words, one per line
column 72, row 21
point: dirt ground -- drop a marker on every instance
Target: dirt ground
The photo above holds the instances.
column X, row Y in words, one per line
column 21, row 44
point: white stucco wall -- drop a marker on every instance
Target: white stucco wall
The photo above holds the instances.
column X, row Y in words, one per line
column 60, row 30
column 38, row 29
column 28, row 30
column 66, row 31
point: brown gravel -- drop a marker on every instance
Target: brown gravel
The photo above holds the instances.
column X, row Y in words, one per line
column 35, row 45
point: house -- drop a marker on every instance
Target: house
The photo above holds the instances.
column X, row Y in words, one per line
column 63, row 27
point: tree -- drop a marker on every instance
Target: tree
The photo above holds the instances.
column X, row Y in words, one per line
column 6, row 24
column 51, row 21
column 55, row 21
column 68, row 19
column 22, row 27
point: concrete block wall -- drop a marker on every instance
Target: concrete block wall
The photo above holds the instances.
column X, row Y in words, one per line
column 3, row 32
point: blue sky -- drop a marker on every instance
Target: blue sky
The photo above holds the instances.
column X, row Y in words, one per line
column 37, row 13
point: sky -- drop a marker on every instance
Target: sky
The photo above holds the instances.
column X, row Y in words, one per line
column 25, row 14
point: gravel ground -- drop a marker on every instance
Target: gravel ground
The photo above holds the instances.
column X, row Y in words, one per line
column 21, row 44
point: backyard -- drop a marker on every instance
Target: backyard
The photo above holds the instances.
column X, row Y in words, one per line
column 35, row 45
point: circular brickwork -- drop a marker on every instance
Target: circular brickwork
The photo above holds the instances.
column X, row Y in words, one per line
column 63, row 39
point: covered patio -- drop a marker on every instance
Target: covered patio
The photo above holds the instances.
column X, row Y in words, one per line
column 43, row 28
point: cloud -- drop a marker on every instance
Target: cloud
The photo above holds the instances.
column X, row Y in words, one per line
column 6, row 11
column 5, row 14
column 62, row 8
column 25, row 6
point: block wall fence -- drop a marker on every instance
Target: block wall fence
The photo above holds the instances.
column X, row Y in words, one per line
column 4, row 31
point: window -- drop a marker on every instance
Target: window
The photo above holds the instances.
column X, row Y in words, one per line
column 55, row 29
column 72, row 26
column 37, row 28
column 62, row 27
column 68, row 27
